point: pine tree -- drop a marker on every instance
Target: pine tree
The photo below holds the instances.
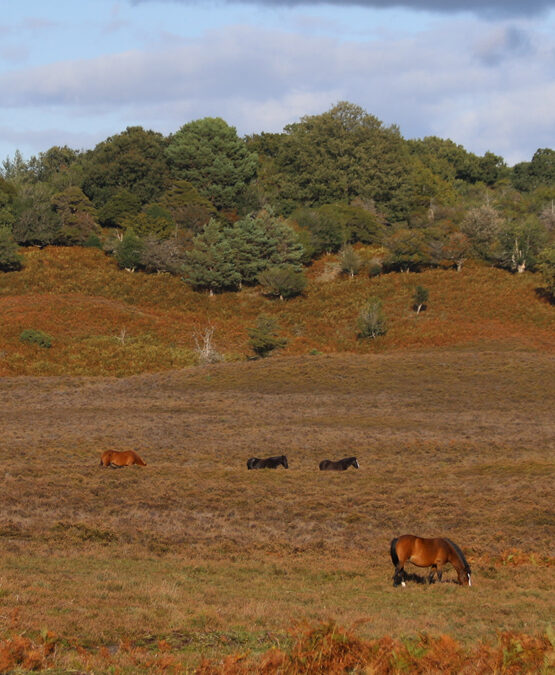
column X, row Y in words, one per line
column 210, row 264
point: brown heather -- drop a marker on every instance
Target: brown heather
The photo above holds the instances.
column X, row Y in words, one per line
column 193, row 563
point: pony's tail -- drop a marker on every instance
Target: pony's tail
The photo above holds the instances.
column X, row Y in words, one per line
column 393, row 551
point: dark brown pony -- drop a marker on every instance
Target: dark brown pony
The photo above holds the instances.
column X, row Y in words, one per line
column 117, row 459
column 340, row 465
column 434, row 553
column 268, row 463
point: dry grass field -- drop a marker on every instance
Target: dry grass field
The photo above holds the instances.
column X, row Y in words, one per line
column 171, row 567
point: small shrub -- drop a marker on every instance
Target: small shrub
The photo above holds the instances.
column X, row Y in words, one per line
column 375, row 267
column 204, row 347
column 350, row 261
column 283, row 281
column 36, row 337
column 420, row 298
column 371, row 320
column 93, row 241
column 263, row 336
column 128, row 251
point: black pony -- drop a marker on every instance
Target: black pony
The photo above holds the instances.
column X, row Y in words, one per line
column 268, row 463
column 340, row 465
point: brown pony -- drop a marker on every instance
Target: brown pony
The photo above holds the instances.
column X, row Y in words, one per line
column 434, row 553
column 117, row 459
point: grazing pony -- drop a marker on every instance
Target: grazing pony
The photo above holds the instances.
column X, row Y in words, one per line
column 268, row 463
column 340, row 465
column 434, row 553
column 117, row 459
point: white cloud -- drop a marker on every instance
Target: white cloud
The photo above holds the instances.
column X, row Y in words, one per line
column 492, row 91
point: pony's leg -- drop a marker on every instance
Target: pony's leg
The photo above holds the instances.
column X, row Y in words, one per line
column 398, row 577
column 439, row 571
column 431, row 575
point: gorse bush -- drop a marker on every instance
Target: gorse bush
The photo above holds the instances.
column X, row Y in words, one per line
column 36, row 337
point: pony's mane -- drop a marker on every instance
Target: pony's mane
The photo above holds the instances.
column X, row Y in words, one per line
column 460, row 554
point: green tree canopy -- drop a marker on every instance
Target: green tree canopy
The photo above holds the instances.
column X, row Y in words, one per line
column 10, row 258
column 340, row 155
column 408, row 250
column 36, row 222
column 482, row 226
column 77, row 216
column 540, row 171
column 133, row 160
column 120, row 205
column 188, row 208
column 209, row 154
column 452, row 162
column 54, row 166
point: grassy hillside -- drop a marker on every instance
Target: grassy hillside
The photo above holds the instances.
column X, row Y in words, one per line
column 105, row 321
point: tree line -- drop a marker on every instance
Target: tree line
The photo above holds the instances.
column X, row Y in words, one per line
column 223, row 211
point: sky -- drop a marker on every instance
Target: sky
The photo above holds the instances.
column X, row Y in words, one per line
column 480, row 72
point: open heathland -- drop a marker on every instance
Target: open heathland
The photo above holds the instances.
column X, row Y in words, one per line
column 193, row 557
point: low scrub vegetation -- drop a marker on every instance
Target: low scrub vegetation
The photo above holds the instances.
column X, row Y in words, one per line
column 106, row 321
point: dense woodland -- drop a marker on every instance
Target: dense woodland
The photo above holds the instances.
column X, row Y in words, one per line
column 222, row 211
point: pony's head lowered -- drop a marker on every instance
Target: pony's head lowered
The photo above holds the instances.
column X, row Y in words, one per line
column 463, row 570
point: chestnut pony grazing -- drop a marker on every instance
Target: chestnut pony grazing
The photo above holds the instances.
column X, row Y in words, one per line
column 434, row 553
column 117, row 459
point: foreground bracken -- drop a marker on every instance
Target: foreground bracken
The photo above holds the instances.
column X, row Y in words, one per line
column 325, row 649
